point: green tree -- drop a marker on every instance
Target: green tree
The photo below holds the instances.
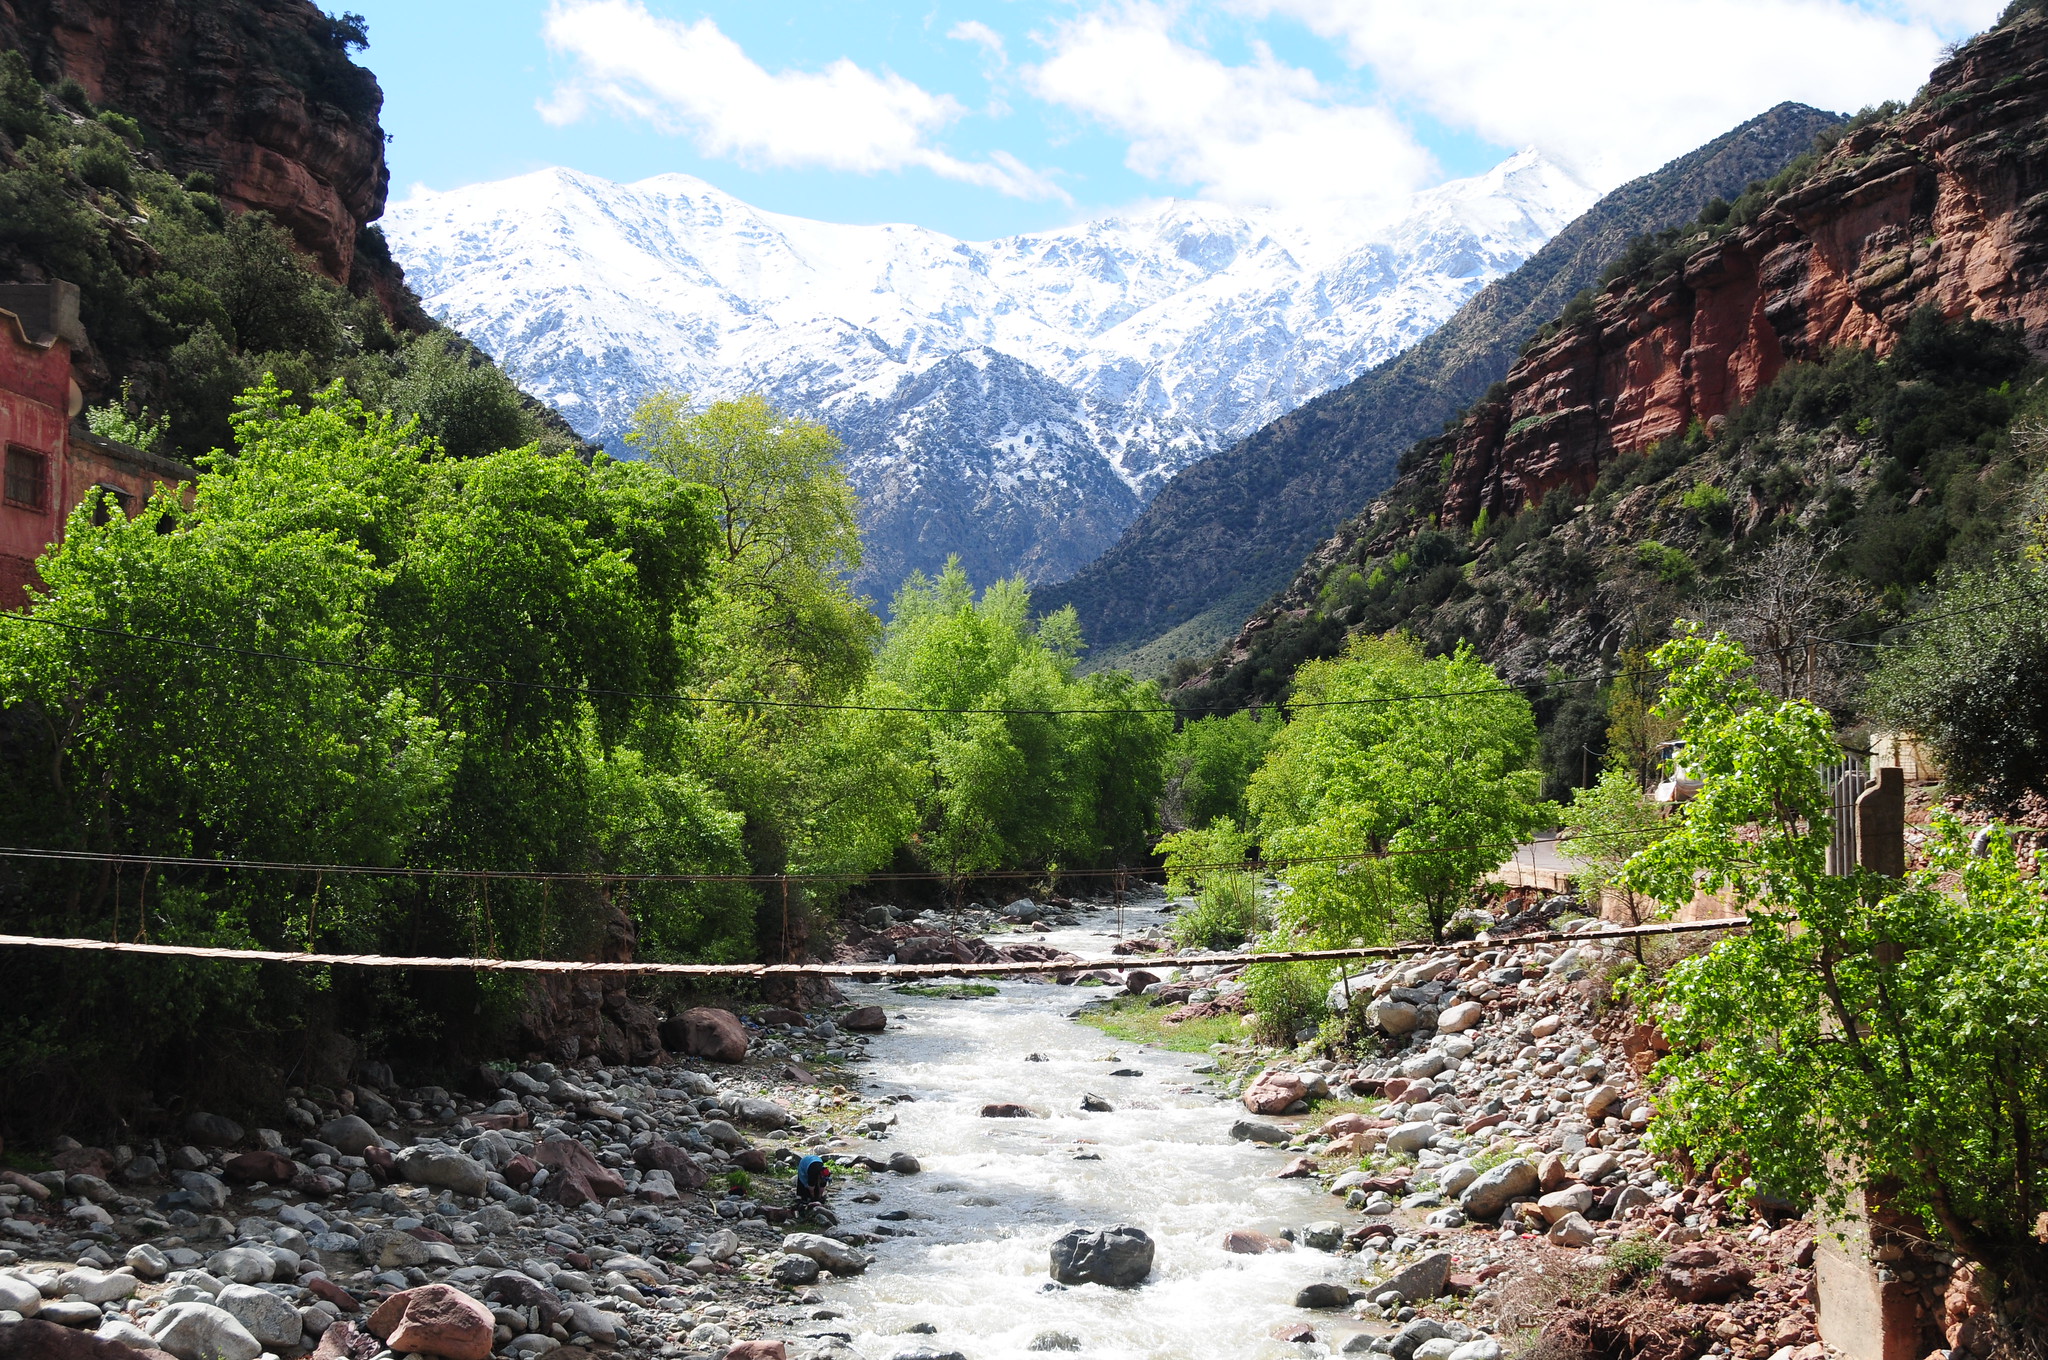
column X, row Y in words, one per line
column 1973, row 681
column 1863, row 1030
column 1426, row 763
column 1635, row 730
column 1209, row 765
column 1604, row 828
column 1035, row 765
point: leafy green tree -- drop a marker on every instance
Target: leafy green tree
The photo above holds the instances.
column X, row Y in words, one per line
column 1209, row 765
column 1973, row 681
column 1426, row 763
column 1863, row 1030
column 1066, row 770
column 1604, row 828
column 461, row 400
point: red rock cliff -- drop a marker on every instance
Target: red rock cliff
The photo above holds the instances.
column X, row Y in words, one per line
column 258, row 94
column 1944, row 205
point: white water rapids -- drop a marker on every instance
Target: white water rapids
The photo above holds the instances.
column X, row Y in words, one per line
column 996, row 1192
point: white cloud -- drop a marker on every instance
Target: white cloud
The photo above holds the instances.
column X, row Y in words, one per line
column 1257, row 134
column 1615, row 88
column 690, row 78
column 982, row 36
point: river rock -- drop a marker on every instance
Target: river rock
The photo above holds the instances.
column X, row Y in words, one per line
column 660, row 1155
column 1325, row 1234
column 1602, row 1101
column 1251, row 1242
column 1005, row 1110
column 1702, row 1274
column 1323, row 1294
column 757, row 1113
column 1572, row 1231
column 757, row 1350
column 706, row 1032
column 267, row 1317
column 903, row 1164
column 864, row 1020
column 1408, row 1139
column 1488, row 1195
column 1251, row 1131
column 202, row 1331
column 434, row 1319
column 445, row 1169
column 383, row 1249
column 1422, row 1280
column 1570, row 1199
column 1054, row 1341
column 1273, row 1092
column 121, row 1331
column 1394, row 1017
column 35, row 1339
column 828, row 1252
column 794, row 1269
column 211, row 1130
column 574, row 1176
column 1119, row 1256
column 1459, row 1018
column 242, row 1265
column 19, row 1296
column 206, row 1192
column 350, row 1134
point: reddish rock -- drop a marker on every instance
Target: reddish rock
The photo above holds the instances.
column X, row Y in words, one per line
column 1273, row 1092
column 21, row 1184
column 522, row 1291
column 706, row 1032
column 1298, row 1169
column 665, row 1156
column 1353, row 1123
column 1007, row 1112
column 435, row 1319
column 518, row 1172
column 266, row 1165
column 379, row 1160
column 84, row 1161
column 519, row 1121
column 576, row 1016
column 574, row 1176
column 1702, row 1274
column 1393, row 1087
column 35, row 1339
column 1250, row 1242
column 756, row 1350
column 864, row 1020
column 322, row 1287
column 779, row 1015
column 346, row 1341
column 1137, row 980
column 1460, row 1284
column 750, row 1159
column 317, row 1185
column 1300, row 1333
column 1035, row 953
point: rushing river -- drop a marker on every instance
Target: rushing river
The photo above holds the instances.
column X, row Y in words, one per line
column 996, row 1192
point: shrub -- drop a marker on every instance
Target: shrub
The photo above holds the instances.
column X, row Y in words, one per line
column 1225, row 913
column 1287, row 998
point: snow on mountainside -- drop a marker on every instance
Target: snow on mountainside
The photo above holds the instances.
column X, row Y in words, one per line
column 1012, row 401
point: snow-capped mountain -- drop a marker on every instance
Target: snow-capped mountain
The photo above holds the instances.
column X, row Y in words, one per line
column 1012, row 401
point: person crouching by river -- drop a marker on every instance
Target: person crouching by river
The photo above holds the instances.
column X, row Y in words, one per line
column 812, row 1177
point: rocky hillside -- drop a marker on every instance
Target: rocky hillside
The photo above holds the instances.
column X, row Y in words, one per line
column 1225, row 534
column 260, row 96
column 1823, row 390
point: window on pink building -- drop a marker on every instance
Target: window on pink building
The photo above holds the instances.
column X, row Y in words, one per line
column 28, row 479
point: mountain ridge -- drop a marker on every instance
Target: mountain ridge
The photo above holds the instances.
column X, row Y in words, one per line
column 1197, row 560
column 1170, row 329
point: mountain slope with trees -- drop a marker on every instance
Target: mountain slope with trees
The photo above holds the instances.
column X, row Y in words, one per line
column 1224, row 534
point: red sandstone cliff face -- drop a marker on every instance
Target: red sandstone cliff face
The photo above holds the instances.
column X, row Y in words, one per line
column 258, row 94
column 1945, row 205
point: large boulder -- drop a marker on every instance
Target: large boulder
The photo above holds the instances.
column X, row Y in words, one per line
column 267, row 1317
column 435, row 1319
column 665, row 1156
column 350, row 1133
column 1422, row 1280
column 266, row 1164
column 1394, row 1017
column 1252, row 1242
column 445, row 1169
column 19, row 1296
column 520, row 1290
column 574, row 1176
column 828, row 1252
column 1323, row 1295
column 1119, row 1256
column 1410, row 1138
column 201, row 1331
column 706, row 1032
column 864, row 1020
column 757, row 1113
column 1702, row 1274
column 1485, row 1197
column 1461, row 1017
column 1274, row 1092
column 212, row 1130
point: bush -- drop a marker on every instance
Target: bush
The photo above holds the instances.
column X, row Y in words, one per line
column 1287, row 998
column 1225, row 913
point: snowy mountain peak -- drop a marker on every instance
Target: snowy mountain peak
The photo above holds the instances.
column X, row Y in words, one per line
column 1015, row 401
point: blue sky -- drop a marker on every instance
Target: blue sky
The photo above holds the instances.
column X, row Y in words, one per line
column 982, row 119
